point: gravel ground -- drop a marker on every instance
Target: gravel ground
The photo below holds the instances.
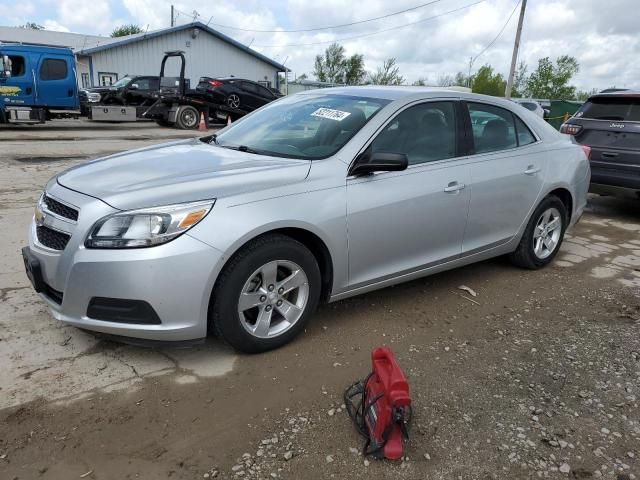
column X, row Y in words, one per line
column 538, row 376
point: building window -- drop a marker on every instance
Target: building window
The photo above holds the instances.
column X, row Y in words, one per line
column 106, row 79
column 85, row 80
column 53, row 69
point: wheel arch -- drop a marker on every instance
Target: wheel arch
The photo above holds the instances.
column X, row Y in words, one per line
column 566, row 198
column 309, row 239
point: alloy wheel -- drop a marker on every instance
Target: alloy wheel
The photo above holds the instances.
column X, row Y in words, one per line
column 546, row 234
column 273, row 298
column 233, row 101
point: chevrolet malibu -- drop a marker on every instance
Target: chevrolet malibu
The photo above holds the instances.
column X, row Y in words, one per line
column 313, row 198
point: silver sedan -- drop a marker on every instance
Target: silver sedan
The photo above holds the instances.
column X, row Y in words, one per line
column 313, row 198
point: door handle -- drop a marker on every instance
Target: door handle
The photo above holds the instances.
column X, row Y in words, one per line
column 609, row 155
column 454, row 187
column 532, row 170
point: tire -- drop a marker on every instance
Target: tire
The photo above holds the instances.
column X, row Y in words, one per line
column 187, row 117
column 234, row 101
column 540, row 242
column 239, row 325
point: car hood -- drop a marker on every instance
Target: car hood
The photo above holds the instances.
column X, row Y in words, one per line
column 182, row 171
column 102, row 89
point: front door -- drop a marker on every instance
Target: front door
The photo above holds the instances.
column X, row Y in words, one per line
column 57, row 84
column 400, row 222
column 507, row 176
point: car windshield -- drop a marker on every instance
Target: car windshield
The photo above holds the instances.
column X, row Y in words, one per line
column 622, row 108
column 310, row 126
column 122, row 82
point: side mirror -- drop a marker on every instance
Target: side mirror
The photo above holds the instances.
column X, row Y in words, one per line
column 5, row 66
column 133, row 86
column 380, row 162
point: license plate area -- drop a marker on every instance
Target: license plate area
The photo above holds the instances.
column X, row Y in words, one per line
column 33, row 269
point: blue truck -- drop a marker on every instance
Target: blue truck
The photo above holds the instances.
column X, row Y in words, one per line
column 37, row 83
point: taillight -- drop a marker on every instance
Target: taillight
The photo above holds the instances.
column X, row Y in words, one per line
column 215, row 83
column 586, row 150
column 570, row 128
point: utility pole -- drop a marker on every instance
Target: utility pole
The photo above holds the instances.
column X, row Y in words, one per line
column 514, row 56
column 172, row 16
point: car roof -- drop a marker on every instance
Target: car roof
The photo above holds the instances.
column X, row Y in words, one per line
column 617, row 94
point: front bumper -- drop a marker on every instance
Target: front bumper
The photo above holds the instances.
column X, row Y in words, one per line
column 175, row 279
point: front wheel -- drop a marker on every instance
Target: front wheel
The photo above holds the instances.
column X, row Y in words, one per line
column 266, row 294
column 543, row 236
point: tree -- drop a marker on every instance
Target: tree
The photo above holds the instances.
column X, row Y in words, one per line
column 302, row 77
column 487, row 82
column 462, row 80
column 124, row 30
column 420, row 82
column 520, row 81
column 583, row 95
column 32, row 26
column 552, row 81
column 388, row 74
column 446, row 81
column 335, row 67
column 354, row 71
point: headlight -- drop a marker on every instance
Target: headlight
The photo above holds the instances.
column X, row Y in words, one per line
column 146, row 227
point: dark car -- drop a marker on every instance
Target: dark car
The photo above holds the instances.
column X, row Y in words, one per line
column 609, row 123
column 129, row 90
column 235, row 92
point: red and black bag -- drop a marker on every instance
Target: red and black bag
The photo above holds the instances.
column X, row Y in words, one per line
column 380, row 407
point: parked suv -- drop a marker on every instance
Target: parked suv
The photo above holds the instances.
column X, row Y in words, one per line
column 129, row 90
column 236, row 92
column 609, row 123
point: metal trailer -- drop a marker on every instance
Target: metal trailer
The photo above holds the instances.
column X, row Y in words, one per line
column 179, row 106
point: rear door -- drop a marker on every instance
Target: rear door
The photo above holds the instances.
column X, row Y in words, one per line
column 250, row 95
column 507, row 175
column 56, row 81
column 18, row 89
column 611, row 127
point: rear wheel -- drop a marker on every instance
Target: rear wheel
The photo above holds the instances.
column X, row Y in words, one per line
column 543, row 236
column 187, row 117
column 266, row 294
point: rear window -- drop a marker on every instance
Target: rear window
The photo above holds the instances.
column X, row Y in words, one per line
column 611, row 108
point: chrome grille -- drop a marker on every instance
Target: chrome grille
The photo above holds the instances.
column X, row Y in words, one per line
column 59, row 208
column 52, row 238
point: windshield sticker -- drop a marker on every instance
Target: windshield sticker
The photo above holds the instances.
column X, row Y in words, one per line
column 337, row 115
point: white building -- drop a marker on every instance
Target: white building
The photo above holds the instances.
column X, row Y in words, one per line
column 104, row 60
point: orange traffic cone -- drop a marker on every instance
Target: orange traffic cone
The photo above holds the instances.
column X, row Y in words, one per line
column 203, row 124
column 228, row 120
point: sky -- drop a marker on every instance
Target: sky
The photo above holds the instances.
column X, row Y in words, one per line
column 441, row 39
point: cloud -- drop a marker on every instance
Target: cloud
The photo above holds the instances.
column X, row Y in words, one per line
column 606, row 41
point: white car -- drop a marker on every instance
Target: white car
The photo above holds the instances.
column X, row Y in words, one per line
column 531, row 105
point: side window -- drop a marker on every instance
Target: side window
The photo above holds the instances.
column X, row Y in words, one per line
column 264, row 92
column 143, row 83
column 425, row 133
column 249, row 87
column 493, row 128
column 53, row 69
column 17, row 65
column 154, row 84
column 525, row 137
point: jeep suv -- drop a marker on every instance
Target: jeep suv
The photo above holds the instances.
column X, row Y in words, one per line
column 609, row 123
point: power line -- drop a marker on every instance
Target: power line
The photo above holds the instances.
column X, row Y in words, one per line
column 372, row 33
column 498, row 35
column 330, row 27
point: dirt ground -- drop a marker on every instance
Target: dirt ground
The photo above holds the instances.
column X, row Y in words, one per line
column 538, row 376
